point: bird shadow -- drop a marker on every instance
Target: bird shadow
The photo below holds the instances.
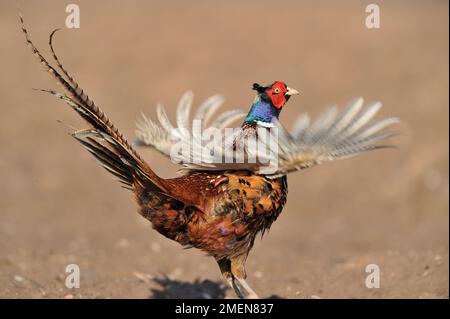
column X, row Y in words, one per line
column 177, row 289
column 199, row 289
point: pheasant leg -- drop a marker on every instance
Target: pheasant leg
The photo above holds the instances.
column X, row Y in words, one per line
column 225, row 268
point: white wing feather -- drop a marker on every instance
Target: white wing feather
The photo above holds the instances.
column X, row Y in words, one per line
column 334, row 135
column 163, row 135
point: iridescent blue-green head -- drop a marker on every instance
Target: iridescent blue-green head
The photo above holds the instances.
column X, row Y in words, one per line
column 268, row 102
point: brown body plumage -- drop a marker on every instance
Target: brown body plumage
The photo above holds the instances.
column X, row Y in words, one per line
column 219, row 213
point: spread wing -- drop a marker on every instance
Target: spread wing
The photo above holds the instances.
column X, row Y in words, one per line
column 334, row 135
column 202, row 141
column 164, row 136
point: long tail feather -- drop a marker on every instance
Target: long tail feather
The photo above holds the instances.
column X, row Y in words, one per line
column 104, row 141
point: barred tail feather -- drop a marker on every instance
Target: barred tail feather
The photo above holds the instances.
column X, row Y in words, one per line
column 104, row 140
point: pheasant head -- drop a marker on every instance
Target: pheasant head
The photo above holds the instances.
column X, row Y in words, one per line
column 268, row 102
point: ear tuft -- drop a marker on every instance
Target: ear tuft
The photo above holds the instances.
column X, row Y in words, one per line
column 258, row 88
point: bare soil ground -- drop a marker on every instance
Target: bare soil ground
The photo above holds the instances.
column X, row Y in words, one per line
column 390, row 208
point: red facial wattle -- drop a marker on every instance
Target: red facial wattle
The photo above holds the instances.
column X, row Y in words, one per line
column 278, row 100
column 277, row 94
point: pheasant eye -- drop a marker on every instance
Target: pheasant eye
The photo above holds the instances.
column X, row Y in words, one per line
column 276, row 90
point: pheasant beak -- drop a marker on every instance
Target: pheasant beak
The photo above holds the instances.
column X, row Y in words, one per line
column 291, row 91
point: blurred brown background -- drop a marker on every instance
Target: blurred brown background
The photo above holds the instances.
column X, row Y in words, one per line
column 57, row 206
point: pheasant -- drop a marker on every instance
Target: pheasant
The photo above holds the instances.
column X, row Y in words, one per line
column 218, row 206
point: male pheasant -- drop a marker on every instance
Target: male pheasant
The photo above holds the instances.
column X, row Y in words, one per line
column 218, row 207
